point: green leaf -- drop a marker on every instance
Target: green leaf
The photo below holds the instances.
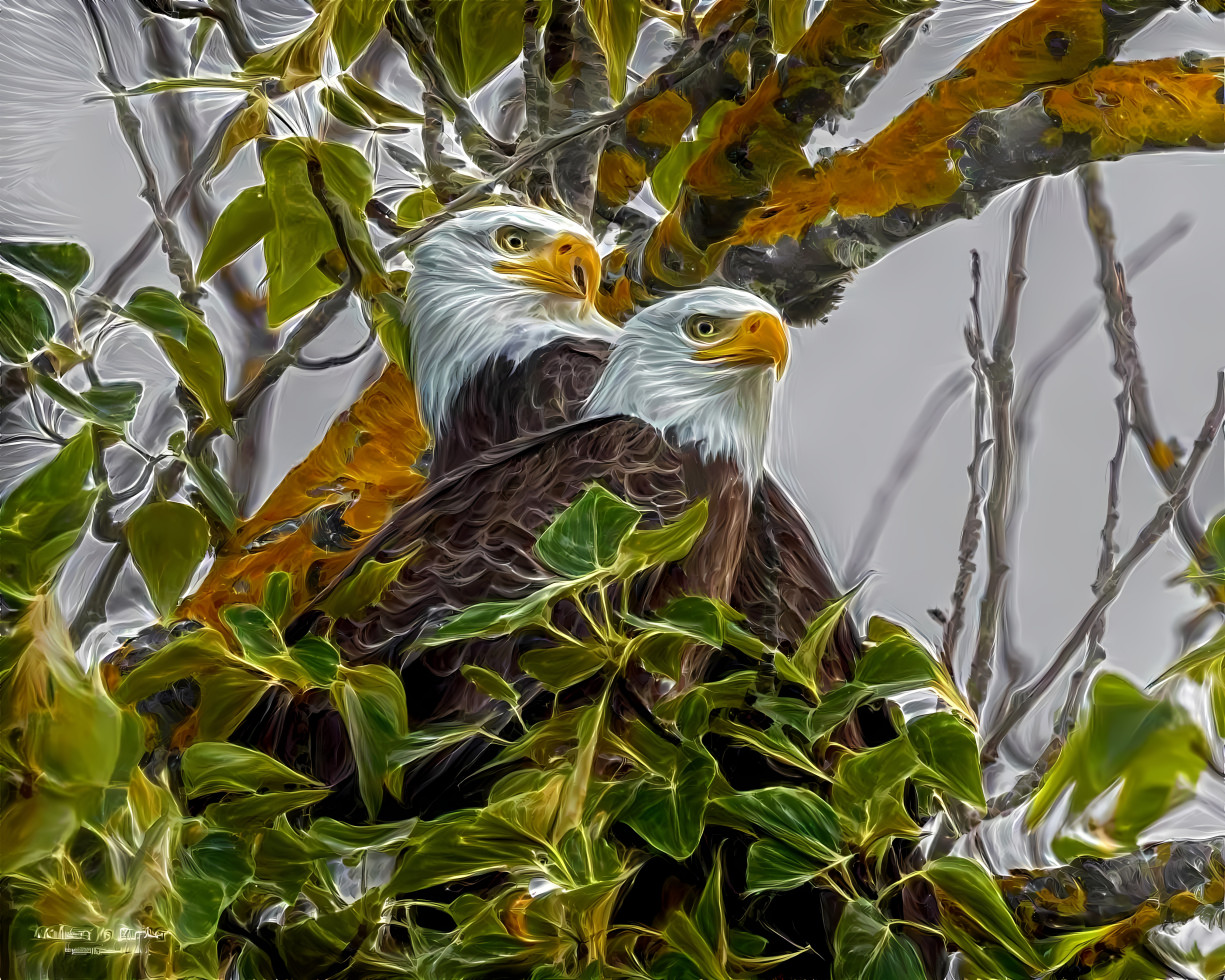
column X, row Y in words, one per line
column 1148, row 745
column 701, row 618
column 787, row 23
column 380, row 108
column 897, row 663
column 868, row 795
column 260, row 809
column 216, row 492
column 642, row 549
column 775, row 867
column 490, row 683
column 348, row 174
column 259, row 636
column 64, row 263
column 277, row 595
column 218, row 767
column 42, row 517
column 668, row 807
column 372, row 703
column 168, row 540
column 476, row 39
column 949, row 750
column 35, row 827
column 865, row 948
column 362, row 589
column 668, row 177
column 796, row 816
column 25, row 321
column 669, row 173
column 416, row 207
column 110, row 405
column 302, row 230
column 586, row 536
column 319, row 660
column 190, row 347
column 489, row 619
column 357, row 22
column 344, row 108
column 562, row 666
column 615, row 25
column 243, row 223
column 967, row 885
column 810, row 653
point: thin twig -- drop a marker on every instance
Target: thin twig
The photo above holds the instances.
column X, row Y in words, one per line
column 1123, row 340
column 225, row 15
column 1023, row 701
column 1003, row 451
column 971, row 527
column 337, row 360
column 179, row 259
column 659, row 81
column 921, row 430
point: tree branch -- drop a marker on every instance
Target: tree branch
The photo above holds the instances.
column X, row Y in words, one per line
column 934, row 163
column 129, row 123
column 971, row 527
column 1121, row 328
column 1023, row 701
column 224, row 14
column 486, row 152
column 999, row 377
column 659, row 81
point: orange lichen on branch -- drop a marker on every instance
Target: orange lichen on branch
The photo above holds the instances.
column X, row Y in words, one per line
column 767, row 134
column 1125, row 107
column 364, row 464
column 1122, row 108
column 653, row 128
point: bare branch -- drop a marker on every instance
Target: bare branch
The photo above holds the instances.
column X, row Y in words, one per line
column 1023, row 701
column 224, row 13
column 999, row 375
column 971, row 527
column 180, row 261
column 1121, row 328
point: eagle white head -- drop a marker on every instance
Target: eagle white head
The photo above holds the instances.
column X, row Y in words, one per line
column 496, row 282
column 701, row 367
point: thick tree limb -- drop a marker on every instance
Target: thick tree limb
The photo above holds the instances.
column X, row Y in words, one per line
column 1162, row 883
column 358, row 465
column 1023, row 700
column 1000, row 381
column 765, row 138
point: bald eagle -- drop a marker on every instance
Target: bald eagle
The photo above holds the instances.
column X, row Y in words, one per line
column 505, row 337
column 681, row 412
column 506, row 343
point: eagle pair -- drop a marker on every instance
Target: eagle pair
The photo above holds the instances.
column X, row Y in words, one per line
column 532, row 396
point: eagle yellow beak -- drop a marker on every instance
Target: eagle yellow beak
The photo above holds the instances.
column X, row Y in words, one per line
column 759, row 339
column 569, row 265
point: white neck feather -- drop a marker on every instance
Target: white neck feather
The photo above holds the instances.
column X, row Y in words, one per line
column 723, row 412
column 456, row 331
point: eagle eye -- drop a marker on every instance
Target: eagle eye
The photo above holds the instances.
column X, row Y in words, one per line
column 511, row 239
column 702, row 328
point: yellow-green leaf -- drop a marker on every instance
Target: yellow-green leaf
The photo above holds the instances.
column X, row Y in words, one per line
column 245, row 220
